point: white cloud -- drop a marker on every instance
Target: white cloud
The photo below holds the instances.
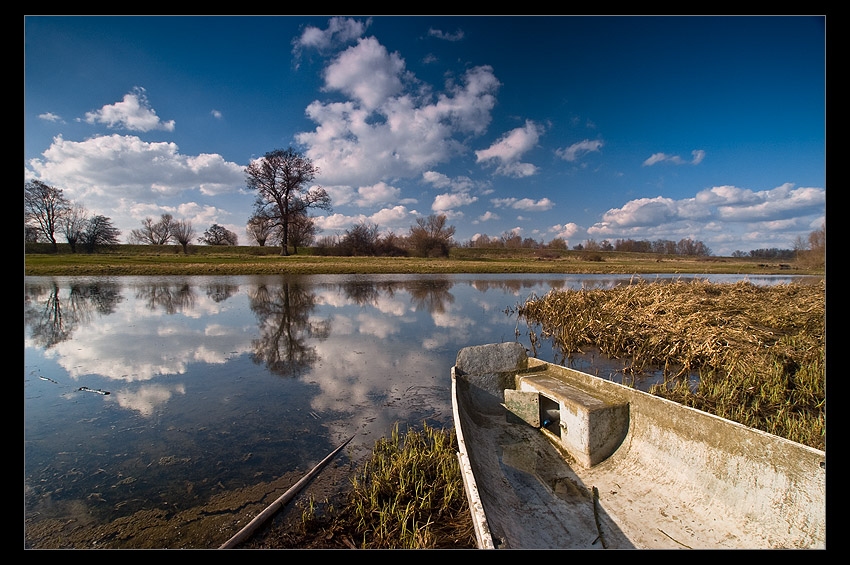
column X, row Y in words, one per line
column 779, row 203
column 132, row 113
column 577, row 150
column 126, row 166
column 727, row 215
column 642, row 212
column 509, row 149
column 565, row 231
column 339, row 31
column 364, row 196
column 395, row 218
column 50, row 117
column 456, row 36
column 456, row 184
column 127, row 179
column 486, row 217
column 200, row 215
column 526, row 204
column 386, row 133
column 452, row 200
column 367, row 73
column 439, row 180
column 378, row 193
column 698, row 156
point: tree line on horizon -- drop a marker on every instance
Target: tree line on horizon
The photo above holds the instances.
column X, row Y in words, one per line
column 48, row 214
column 284, row 197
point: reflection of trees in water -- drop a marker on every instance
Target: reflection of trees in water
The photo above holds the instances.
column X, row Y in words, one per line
column 430, row 295
column 170, row 297
column 514, row 285
column 285, row 327
column 220, row 291
column 52, row 319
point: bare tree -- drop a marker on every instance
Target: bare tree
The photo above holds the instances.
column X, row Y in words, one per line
column 99, row 232
column 431, row 237
column 44, row 205
column 31, row 234
column 73, row 225
column 811, row 252
column 302, row 232
column 281, row 179
column 154, row 233
column 261, row 228
column 183, row 232
column 218, row 235
column 361, row 239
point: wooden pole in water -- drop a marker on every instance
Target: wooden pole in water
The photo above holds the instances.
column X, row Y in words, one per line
column 246, row 532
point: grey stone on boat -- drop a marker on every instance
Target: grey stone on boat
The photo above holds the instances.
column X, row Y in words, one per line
column 492, row 358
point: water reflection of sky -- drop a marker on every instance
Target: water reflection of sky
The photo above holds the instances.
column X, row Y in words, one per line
column 223, row 381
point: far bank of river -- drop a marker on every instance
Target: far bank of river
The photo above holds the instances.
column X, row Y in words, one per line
column 245, row 263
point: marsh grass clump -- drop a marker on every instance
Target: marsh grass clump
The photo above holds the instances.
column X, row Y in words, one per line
column 409, row 495
column 759, row 351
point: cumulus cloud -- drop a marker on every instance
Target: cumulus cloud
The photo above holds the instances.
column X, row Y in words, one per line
column 564, row 231
column 132, row 113
column 386, row 132
column 486, row 217
column 50, row 117
column 452, row 200
column 367, row 72
column 741, row 205
column 339, row 32
column 526, row 204
column 126, row 166
column 507, row 151
column 698, row 156
column 366, row 196
column 378, row 193
column 391, row 218
column 642, row 212
column 579, row 149
column 456, row 36
column 455, row 184
column 730, row 213
column 389, row 125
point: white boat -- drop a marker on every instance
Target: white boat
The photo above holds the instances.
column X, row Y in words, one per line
column 556, row 458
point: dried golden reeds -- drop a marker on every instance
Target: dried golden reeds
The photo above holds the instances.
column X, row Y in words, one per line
column 759, row 351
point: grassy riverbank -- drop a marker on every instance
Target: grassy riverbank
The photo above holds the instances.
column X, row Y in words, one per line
column 247, row 260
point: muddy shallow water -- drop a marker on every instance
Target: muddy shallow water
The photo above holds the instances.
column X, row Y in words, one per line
column 162, row 411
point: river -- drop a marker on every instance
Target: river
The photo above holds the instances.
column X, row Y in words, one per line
column 156, row 392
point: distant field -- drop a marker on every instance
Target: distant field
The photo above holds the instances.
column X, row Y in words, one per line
column 246, row 260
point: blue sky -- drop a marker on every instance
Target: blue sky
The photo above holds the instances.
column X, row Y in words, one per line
column 578, row 127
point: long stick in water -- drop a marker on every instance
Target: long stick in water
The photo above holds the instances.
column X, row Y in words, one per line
column 245, row 532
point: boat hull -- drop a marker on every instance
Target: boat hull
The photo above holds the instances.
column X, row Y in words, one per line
column 621, row 468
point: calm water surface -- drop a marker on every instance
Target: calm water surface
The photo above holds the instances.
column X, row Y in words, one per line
column 152, row 392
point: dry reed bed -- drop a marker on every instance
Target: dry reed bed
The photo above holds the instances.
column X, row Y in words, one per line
column 759, row 351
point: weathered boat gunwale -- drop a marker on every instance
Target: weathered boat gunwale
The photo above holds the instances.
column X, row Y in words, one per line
column 739, row 487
